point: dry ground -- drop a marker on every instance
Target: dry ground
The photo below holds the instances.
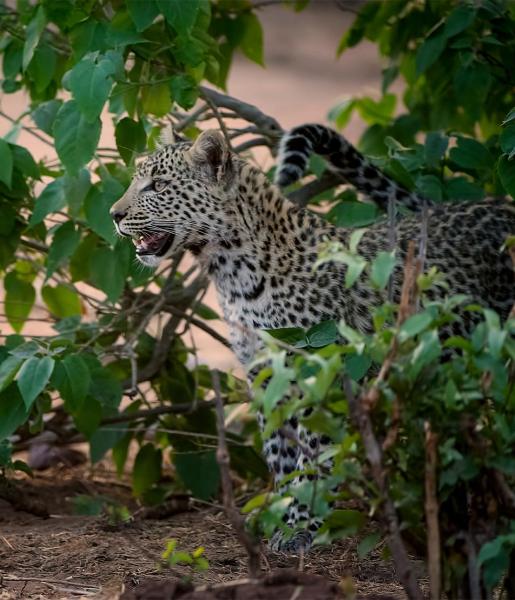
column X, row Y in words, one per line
column 71, row 556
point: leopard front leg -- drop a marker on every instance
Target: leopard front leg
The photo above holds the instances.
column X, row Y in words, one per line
column 290, row 449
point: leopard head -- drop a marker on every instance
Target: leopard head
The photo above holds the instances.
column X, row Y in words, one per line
column 179, row 198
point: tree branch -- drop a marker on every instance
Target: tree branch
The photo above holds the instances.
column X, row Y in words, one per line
column 232, row 513
column 303, row 196
column 431, row 508
column 267, row 125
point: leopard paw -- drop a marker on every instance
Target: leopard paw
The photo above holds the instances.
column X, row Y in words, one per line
column 299, row 542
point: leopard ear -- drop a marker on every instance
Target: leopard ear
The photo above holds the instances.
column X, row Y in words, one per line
column 167, row 136
column 211, row 153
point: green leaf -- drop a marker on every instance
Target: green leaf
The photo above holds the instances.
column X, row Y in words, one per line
column 88, row 416
column 88, row 36
column 105, row 388
column 434, row 148
column 12, row 57
column 355, row 266
column 506, row 170
column 44, row 115
column 142, row 13
column 342, row 112
column 415, row 324
column 61, row 301
column 121, row 30
column 42, row 67
column 380, row 112
column 471, row 154
column 251, row 42
column 322, row 334
column 199, row 473
column 33, row 377
column 184, row 90
column 459, row 19
column 131, row 139
column 109, row 269
column 429, row 186
column 507, row 140
column 19, row 300
column 147, row 469
column 97, row 205
column 8, row 369
column 460, row 188
column 429, row 52
column 357, row 365
column 294, row 336
column 76, row 139
column 206, row 312
column 104, row 438
column 428, row 349
column 74, row 386
column 90, row 82
column 346, row 521
column 12, row 411
column 6, row 163
column 51, row 199
column 24, row 162
column 494, row 556
column 181, row 15
column 32, row 35
column 156, row 99
column 353, row 214
column 368, row 543
column 382, row 267
column 64, row 243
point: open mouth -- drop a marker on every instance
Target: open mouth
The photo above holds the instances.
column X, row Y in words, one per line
column 155, row 244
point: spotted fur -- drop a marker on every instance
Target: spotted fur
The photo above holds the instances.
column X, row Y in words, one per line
column 259, row 249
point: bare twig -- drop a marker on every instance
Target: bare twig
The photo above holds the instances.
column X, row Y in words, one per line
column 234, row 516
column 220, row 120
column 25, row 128
column 172, row 409
column 34, row 245
column 201, row 325
column 431, row 507
column 361, row 418
column 303, row 196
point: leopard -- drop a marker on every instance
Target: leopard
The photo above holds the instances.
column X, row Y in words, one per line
column 259, row 249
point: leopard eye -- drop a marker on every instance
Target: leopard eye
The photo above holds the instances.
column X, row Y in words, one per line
column 159, row 185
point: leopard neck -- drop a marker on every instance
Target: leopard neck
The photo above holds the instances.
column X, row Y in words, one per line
column 266, row 252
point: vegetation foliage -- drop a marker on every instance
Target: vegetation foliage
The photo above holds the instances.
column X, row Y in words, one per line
column 444, row 125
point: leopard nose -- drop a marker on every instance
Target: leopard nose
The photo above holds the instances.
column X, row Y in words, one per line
column 118, row 215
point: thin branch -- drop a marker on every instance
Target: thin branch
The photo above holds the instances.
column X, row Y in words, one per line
column 232, row 513
column 304, row 195
column 27, row 129
column 361, row 419
column 431, row 508
column 220, row 120
column 173, row 409
column 201, row 325
column 34, row 245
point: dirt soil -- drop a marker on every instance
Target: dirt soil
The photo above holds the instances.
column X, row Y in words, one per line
column 71, row 556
